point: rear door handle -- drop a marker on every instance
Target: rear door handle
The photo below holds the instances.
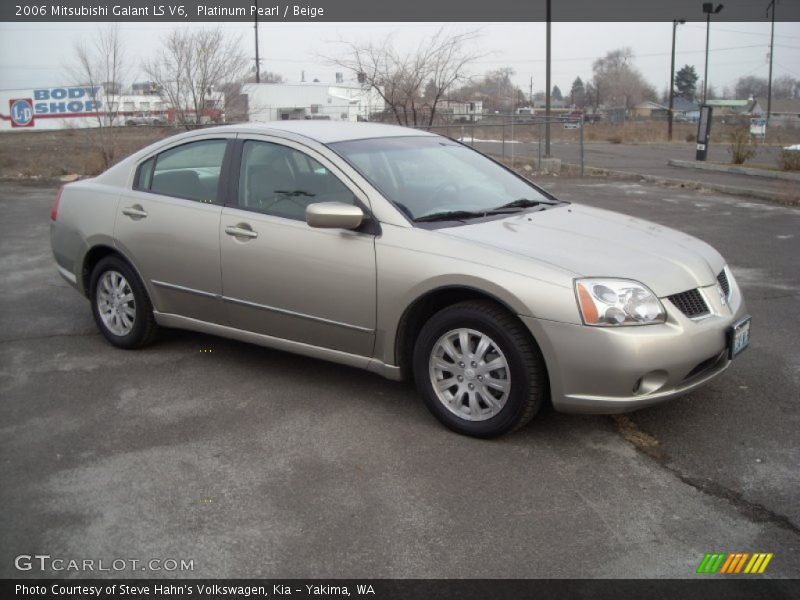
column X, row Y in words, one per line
column 135, row 212
column 242, row 230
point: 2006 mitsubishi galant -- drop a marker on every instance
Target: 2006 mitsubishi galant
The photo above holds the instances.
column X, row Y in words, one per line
column 404, row 253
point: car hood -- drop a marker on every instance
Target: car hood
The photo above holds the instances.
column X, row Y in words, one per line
column 592, row 242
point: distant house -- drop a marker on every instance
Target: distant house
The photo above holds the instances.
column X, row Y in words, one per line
column 649, row 110
column 784, row 111
column 724, row 106
column 554, row 103
column 611, row 114
column 685, row 110
column 471, row 111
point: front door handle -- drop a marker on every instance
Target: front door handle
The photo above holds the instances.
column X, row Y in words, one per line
column 242, row 230
column 135, row 212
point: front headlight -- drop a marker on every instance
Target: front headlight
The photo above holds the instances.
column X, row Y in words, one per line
column 610, row 302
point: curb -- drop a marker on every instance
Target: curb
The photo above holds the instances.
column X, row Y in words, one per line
column 775, row 198
column 733, row 169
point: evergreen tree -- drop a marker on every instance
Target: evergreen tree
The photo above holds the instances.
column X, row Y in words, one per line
column 686, row 82
column 577, row 95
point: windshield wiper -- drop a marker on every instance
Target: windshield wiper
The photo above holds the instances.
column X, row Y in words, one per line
column 451, row 215
column 509, row 208
column 523, row 203
column 295, row 193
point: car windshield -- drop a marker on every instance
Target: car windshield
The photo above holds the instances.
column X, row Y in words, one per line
column 431, row 177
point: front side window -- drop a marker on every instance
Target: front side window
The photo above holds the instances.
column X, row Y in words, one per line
column 424, row 176
column 281, row 181
column 189, row 171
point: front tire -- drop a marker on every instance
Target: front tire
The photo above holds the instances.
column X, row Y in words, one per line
column 120, row 304
column 478, row 369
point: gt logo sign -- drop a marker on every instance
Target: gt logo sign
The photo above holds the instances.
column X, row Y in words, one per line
column 21, row 110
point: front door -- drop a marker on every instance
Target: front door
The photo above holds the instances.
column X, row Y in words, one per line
column 280, row 276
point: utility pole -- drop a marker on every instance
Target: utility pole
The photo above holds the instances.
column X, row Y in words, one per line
column 530, row 96
column 771, row 52
column 675, row 23
column 547, row 90
column 255, row 26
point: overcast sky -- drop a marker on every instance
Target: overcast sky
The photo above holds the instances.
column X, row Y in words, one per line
column 33, row 55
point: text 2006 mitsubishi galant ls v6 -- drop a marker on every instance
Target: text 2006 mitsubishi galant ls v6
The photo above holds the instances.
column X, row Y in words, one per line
column 403, row 253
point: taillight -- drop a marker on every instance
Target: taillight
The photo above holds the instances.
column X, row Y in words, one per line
column 54, row 208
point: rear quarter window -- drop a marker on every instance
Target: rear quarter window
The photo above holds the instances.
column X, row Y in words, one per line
column 144, row 175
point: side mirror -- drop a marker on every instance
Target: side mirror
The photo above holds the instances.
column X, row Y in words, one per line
column 334, row 215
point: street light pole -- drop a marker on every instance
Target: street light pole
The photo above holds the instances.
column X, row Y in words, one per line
column 675, row 23
column 708, row 8
column 547, row 90
column 771, row 52
column 255, row 26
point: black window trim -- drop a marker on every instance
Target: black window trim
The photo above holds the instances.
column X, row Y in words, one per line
column 222, row 183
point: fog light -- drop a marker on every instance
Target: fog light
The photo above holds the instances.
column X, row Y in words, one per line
column 650, row 382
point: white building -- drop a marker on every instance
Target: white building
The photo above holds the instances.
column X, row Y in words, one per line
column 333, row 102
column 471, row 111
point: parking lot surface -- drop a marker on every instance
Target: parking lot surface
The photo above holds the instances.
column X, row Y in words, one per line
column 253, row 462
column 653, row 159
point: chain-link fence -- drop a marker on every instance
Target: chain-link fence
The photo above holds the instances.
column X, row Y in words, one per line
column 521, row 140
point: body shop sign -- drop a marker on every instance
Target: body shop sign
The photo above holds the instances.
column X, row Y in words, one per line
column 54, row 102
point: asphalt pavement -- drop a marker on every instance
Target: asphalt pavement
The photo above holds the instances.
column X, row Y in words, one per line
column 253, row 462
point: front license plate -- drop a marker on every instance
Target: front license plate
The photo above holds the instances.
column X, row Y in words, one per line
column 739, row 337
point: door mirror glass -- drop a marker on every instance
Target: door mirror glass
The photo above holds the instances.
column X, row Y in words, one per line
column 334, row 215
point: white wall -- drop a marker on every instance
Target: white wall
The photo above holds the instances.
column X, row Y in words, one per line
column 266, row 101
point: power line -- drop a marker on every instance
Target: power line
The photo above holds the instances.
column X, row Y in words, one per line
column 787, row 70
column 793, row 37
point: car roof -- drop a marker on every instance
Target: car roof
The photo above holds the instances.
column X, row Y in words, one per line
column 327, row 132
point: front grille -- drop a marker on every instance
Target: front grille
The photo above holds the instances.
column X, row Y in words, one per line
column 722, row 278
column 690, row 303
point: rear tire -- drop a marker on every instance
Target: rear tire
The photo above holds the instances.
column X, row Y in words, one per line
column 120, row 304
column 478, row 369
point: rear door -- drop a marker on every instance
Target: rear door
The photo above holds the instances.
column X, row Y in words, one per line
column 168, row 225
column 280, row 276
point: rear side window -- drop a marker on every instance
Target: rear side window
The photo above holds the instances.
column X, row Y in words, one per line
column 191, row 171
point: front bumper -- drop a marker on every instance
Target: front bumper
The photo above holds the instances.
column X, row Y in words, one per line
column 607, row 370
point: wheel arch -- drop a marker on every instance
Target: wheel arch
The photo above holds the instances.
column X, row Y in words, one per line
column 97, row 253
column 429, row 303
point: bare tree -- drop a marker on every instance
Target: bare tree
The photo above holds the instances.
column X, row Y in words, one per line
column 750, row 85
column 785, row 86
column 412, row 84
column 101, row 67
column 619, row 81
column 495, row 89
column 190, row 65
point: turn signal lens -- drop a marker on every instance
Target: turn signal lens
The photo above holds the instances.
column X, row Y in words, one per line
column 588, row 307
column 54, row 207
column 613, row 302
